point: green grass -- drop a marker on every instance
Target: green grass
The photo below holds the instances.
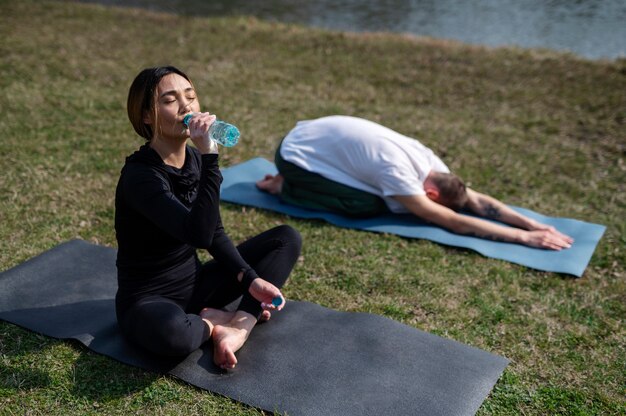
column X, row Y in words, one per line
column 532, row 127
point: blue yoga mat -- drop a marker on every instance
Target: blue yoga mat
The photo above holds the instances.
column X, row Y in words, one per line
column 239, row 188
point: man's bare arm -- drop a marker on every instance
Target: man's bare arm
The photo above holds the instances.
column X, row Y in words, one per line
column 435, row 213
column 489, row 207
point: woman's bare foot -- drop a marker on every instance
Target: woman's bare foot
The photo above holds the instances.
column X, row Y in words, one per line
column 272, row 184
column 228, row 338
column 265, row 316
column 216, row 316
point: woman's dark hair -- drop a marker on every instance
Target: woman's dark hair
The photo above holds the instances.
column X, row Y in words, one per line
column 142, row 97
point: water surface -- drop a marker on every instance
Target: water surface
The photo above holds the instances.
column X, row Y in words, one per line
column 590, row 28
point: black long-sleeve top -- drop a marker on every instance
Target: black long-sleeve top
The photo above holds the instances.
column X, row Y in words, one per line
column 162, row 215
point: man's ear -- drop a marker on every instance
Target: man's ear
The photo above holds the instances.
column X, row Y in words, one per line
column 432, row 193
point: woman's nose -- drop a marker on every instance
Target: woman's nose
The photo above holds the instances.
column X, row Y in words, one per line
column 186, row 105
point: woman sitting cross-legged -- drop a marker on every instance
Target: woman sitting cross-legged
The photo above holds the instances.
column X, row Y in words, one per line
column 167, row 207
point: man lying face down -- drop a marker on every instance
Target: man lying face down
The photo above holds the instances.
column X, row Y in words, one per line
column 356, row 167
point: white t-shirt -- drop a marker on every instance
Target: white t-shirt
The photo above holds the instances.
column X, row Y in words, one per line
column 362, row 154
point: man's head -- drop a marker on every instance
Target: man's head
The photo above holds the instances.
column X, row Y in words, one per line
column 446, row 189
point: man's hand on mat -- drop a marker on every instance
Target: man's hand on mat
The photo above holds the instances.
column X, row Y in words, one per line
column 548, row 238
column 265, row 292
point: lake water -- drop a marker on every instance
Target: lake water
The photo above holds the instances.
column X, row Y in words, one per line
column 593, row 29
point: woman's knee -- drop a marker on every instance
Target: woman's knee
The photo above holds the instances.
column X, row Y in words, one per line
column 290, row 236
column 166, row 330
column 179, row 337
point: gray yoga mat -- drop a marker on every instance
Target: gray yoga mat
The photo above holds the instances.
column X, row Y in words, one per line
column 308, row 360
column 239, row 188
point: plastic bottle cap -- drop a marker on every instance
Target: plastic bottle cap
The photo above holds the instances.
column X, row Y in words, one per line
column 186, row 119
column 277, row 301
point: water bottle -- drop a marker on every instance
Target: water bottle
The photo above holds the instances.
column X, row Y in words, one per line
column 221, row 132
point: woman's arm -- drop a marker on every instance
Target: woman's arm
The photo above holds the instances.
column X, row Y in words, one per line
column 148, row 192
column 224, row 251
column 431, row 211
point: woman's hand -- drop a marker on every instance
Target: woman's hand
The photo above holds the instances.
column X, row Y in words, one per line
column 199, row 132
column 265, row 292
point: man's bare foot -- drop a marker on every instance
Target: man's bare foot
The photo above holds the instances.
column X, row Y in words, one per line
column 229, row 338
column 272, row 184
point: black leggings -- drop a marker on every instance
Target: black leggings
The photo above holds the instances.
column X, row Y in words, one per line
column 311, row 190
column 169, row 327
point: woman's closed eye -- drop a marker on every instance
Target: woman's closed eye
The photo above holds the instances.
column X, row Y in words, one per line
column 170, row 100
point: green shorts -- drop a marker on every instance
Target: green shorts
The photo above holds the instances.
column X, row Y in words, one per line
column 311, row 190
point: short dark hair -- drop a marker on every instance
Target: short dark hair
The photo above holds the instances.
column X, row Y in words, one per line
column 452, row 190
column 142, row 97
